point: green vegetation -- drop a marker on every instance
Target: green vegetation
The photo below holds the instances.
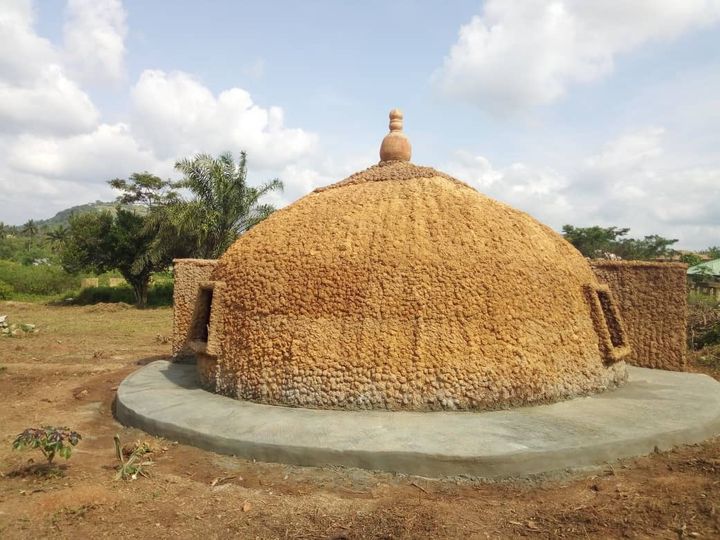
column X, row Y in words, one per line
column 42, row 280
column 49, row 440
column 103, row 242
column 223, row 207
column 703, row 321
column 599, row 242
column 159, row 294
column 6, row 291
column 135, row 465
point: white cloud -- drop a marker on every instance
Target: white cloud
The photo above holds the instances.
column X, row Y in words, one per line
column 55, row 149
column 519, row 54
column 94, row 39
column 22, row 52
column 51, row 104
column 538, row 191
column 631, row 182
column 36, row 95
column 107, row 152
column 178, row 116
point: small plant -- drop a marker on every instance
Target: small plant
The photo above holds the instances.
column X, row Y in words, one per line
column 50, row 440
column 135, row 465
column 6, row 290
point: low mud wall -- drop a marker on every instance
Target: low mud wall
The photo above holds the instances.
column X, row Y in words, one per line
column 188, row 273
column 652, row 299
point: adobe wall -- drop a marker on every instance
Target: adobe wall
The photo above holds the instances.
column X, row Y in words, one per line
column 652, row 298
column 188, row 273
column 401, row 289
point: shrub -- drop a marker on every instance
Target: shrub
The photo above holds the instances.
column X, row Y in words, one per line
column 159, row 294
column 41, row 279
column 6, row 291
column 95, row 295
column 703, row 321
column 50, row 440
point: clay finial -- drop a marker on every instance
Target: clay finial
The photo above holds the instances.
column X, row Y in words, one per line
column 395, row 145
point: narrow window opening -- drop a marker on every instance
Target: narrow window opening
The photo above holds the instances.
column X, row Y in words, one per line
column 613, row 340
column 201, row 325
column 611, row 319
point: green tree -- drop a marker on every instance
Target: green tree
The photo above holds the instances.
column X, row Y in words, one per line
column 223, row 205
column 713, row 252
column 599, row 242
column 155, row 195
column 144, row 189
column 593, row 242
column 30, row 228
column 57, row 235
column 102, row 241
column 691, row 259
column 649, row 247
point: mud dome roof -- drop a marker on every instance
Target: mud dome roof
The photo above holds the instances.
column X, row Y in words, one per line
column 403, row 288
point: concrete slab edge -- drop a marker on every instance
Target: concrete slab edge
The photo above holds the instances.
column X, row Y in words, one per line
column 517, row 464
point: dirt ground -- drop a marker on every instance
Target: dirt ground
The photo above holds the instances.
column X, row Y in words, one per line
column 67, row 373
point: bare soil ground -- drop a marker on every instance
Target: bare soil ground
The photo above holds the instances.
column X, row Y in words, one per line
column 66, row 374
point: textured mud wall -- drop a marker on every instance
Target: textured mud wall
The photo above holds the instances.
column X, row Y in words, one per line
column 188, row 274
column 652, row 299
column 401, row 288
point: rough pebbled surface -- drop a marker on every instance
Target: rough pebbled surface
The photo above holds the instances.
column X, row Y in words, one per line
column 187, row 273
column 400, row 288
column 652, row 299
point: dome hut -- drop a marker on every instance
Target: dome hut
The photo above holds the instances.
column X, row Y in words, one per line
column 402, row 288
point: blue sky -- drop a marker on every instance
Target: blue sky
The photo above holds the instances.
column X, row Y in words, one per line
column 576, row 112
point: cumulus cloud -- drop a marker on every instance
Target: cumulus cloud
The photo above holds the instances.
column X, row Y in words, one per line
column 629, row 182
column 94, row 39
column 520, row 54
column 107, row 152
column 178, row 116
column 22, row 52
column 51, row 103
column 536, row 190
column 36, row 95
column 55, row 147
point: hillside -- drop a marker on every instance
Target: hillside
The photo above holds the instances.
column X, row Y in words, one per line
column 63, row 217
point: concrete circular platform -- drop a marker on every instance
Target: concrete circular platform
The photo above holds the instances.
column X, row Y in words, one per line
column 655, row 409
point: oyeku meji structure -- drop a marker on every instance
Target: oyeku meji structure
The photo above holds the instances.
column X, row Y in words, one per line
column 403, row 288
column 400, row 320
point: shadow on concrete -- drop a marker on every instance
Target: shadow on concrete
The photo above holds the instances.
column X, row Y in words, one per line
column 149, row 359
column 182, row 375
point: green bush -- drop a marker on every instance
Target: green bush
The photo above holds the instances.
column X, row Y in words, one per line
column 703, row 321
column 95, row 295
column 49, row 440
column 6, row 291
column 159, row 294
column 41, row 279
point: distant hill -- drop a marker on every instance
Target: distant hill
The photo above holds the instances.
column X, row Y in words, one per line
column 63, row 216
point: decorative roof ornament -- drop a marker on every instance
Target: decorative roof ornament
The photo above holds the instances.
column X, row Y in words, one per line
column 395, row 146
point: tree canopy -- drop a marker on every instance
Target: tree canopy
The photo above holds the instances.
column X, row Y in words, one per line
column 604, row 242
column 223, row 205
column 103, row 241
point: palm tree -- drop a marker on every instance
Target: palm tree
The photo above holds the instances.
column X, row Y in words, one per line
column 223, row 207
column 58, row 235
column 30, row 228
